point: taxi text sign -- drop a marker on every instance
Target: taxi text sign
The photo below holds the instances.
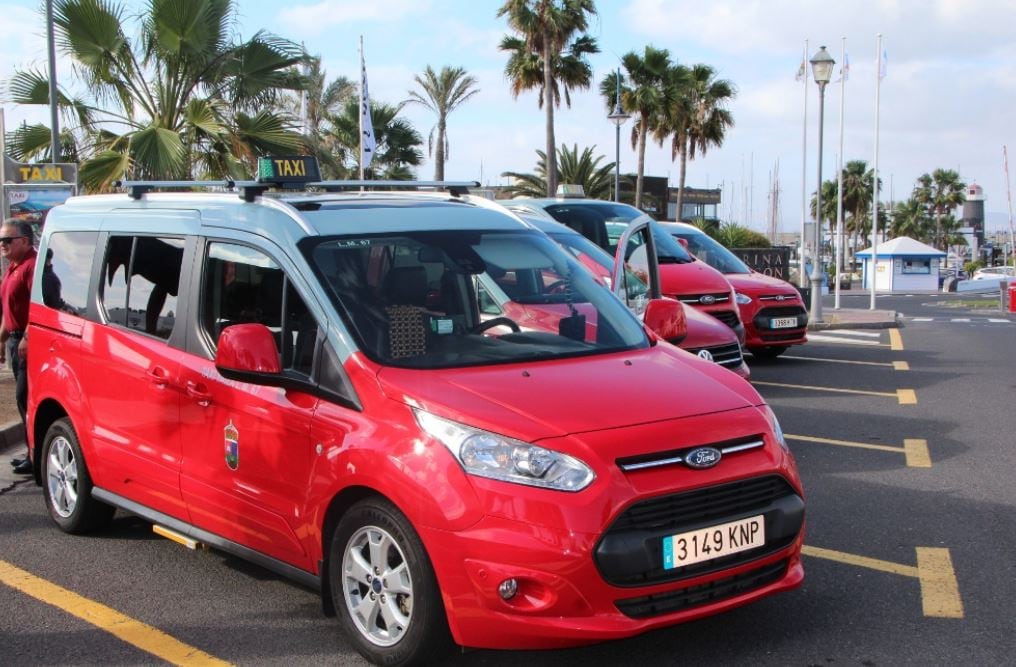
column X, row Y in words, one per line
column 43, row 172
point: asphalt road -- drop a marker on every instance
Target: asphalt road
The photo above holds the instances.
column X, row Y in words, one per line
column 910, row 548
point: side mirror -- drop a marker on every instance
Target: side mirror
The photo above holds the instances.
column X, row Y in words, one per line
column 247, row 352
column 665, row 317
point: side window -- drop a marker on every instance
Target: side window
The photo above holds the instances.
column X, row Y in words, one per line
column 142, row 277
column 242, row 285
column 67, row 269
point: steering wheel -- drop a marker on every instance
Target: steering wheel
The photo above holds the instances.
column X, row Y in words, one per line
column 496, row 322
column 556, row 287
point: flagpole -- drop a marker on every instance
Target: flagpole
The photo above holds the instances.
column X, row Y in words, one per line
column 1008, row 196
column 3, row 167
column 802, row 278
column 363, row 77
column 839, row 177
column 874, row 185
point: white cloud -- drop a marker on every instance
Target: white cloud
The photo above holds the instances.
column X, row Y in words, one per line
column 315, row 18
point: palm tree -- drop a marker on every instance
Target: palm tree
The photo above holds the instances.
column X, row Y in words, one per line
column 697, row 117
column 645, row 95
column 321, row 98
column 545, row 57
column 582, row 169
column 182, row 99
column 398, row 142
column 910, row 218
column 442, row 93
column 940, row 192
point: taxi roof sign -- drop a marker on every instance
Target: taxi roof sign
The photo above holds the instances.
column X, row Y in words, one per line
column 289, row 171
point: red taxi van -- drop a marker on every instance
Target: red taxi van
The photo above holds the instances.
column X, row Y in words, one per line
column 309, row 380
column 772, row 311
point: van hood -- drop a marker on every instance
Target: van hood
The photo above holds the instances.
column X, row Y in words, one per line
column 691, row 278
column 704, row 330
column 532, row 401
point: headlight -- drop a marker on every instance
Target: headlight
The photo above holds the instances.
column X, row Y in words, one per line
column 777, row 429
column 742, row 299
column 494, row 456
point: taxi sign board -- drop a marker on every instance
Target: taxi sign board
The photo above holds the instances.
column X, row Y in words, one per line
column 288, row 171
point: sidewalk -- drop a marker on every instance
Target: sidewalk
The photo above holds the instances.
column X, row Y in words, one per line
column 856, row 318
column 12, row 434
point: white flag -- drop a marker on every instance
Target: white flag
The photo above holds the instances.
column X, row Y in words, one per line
column 883, row 66
column 845, row 68
column 802, row 70
column 367, row 142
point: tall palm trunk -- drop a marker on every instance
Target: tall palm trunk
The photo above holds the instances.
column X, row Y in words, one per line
column 680, row 182
column 548, row 103
column 643, row 130
column 439, row 153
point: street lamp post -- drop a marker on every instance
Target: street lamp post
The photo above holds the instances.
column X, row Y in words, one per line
column 618, row 117
column 822, row 65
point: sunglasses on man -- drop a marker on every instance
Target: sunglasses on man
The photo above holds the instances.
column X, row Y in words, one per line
column 6, row 240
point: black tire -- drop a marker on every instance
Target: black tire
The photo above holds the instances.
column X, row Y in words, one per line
column 407, row 627
column 66, row 484
column 767, row 352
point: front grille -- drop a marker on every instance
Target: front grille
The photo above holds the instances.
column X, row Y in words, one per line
column 693, row 596
column 724, row 355
column 630, row 553
column 779, row 297
column 696, row 299
column 702, row 505
column 728, row 317
column 778, row 337
column 782, row 311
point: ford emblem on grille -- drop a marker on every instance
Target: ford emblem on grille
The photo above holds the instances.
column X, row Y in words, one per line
column 705, row 354
column 703, row 457
column 781, row 297
column 707, row 299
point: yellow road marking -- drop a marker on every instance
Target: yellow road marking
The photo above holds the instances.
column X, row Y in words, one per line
column 861, row 561
column 914, row 449
column 940, row 592
column 847, row 361
column 901, row 366
column 917, row 453
column 906, row 396
column 136, row 633
column 895, row 340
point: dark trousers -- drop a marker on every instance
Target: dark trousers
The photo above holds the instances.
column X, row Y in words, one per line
column 20, row 370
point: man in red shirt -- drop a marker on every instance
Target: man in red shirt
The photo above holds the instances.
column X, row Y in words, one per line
column 16, row 247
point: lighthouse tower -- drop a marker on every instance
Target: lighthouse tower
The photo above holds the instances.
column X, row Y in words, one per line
column 973, row 217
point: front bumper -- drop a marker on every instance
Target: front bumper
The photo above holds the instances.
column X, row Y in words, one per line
column 578, row 588
column 759, row 331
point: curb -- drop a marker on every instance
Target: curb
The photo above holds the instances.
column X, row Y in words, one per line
column 825, row 326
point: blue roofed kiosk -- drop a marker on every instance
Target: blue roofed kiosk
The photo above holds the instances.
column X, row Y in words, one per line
column 904, row 264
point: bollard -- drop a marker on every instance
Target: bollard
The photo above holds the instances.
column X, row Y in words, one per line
column 1012, row 296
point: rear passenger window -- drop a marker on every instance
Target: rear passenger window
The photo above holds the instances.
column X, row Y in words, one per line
column 243, row 285
column 141, row 279
column 67, row 270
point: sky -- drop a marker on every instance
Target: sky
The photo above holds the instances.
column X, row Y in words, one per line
column 948, row 99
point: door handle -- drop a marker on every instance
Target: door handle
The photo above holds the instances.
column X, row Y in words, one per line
column 157, row 375
column 200, row 393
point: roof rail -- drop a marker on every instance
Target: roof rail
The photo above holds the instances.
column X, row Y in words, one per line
column 248, row 190
column 137, row 188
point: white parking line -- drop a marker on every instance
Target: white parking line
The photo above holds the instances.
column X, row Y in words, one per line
column 998, row 320
column 923, row 319
column 960, row 319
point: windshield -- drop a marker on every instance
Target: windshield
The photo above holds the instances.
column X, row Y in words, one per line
column 603, row 223
column 447, row 299
column 710, row 251
column 601, row 264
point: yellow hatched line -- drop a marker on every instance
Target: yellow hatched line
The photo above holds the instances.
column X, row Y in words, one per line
column 135, row 633
column 940, row 592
